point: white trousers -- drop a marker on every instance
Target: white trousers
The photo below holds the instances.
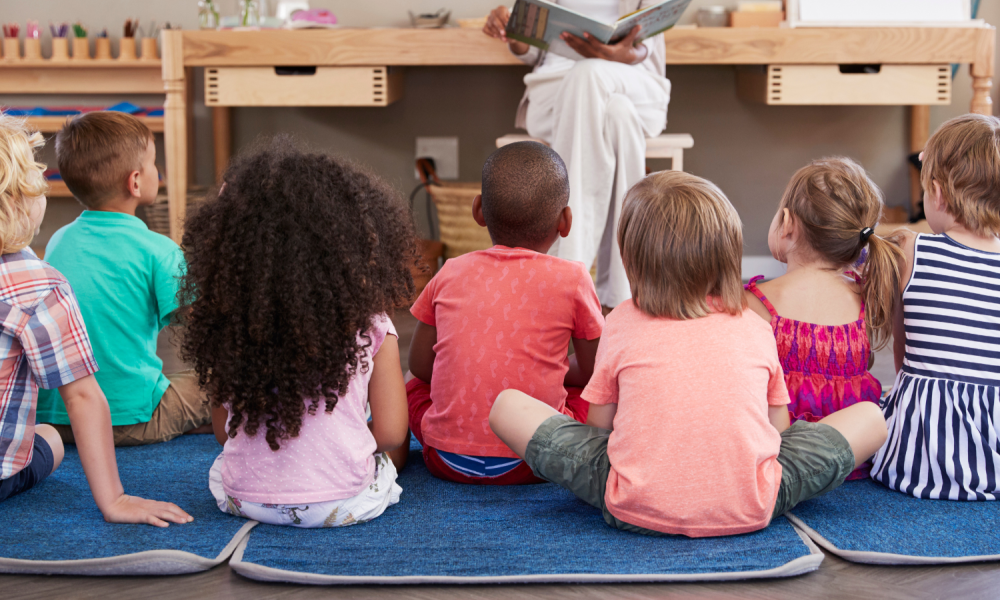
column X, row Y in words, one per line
column 597, row 116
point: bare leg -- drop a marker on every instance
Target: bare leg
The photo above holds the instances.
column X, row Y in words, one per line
column 401, row 454
column 864, row 427
column 515, row 416
column 50, row 435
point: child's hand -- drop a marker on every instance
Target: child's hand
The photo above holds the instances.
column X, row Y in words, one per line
column 132, row 509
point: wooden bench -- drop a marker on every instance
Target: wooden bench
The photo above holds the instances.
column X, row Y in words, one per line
column 667, row 145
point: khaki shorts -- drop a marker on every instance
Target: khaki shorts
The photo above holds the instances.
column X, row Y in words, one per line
column 182, row 408
column 814, row 458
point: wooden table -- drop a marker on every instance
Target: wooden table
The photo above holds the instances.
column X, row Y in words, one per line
column 182, row 50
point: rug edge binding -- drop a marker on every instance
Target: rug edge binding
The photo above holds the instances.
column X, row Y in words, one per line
column 884, row 558
column 149, row 562
column 797, row 566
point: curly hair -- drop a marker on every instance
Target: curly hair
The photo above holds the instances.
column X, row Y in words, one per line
column 296, row 255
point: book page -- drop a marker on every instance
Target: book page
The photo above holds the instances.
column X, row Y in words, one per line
column 539, row 23
column 654, row 20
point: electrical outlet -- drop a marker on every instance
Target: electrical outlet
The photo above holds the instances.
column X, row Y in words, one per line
column 444, row 151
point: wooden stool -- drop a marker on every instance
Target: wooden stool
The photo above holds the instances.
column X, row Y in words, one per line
column 667, row 145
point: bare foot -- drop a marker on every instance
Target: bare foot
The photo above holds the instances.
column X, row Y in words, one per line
column 203, row 429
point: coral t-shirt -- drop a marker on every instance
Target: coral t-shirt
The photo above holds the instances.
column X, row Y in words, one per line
column 331, row 459
column 692, row 451
column 504, row 319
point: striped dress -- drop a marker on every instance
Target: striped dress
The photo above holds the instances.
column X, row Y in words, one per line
column 944, row 410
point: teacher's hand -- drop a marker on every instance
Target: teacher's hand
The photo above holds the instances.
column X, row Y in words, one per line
column 496, row 27
column 627, row 50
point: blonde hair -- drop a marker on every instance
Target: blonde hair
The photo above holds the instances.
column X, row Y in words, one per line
column 96, row 151
column 963, row 156
column 835, row 203
column 682, row 245
column 21, row 182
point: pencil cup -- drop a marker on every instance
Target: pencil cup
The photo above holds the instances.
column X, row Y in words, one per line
column 126, row 49
column 149, row 49
column 11, row 49
column 33, row 49
column 102, row 48
column 81, row 49
column 60, row 49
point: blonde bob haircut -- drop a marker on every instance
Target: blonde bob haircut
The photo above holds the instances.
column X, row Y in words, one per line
column 21, row 182
column 963, row 156
column 682, row 245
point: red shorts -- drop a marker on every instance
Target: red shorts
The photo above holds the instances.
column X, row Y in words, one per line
column 418, row 399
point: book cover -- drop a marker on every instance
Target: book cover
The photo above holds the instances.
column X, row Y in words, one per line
column 540, row 23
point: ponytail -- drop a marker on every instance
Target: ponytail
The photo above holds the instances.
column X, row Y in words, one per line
column 880, row 286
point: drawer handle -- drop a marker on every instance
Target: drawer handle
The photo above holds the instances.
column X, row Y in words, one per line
column 294, row 70
column 860, row 69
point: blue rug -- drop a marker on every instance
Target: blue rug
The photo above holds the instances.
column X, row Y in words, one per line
column 56, row 528
column 443, row 532
column 862, row 521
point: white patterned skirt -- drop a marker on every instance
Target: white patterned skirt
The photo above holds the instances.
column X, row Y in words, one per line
column 371, row 502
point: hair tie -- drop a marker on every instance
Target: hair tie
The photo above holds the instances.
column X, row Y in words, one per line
column 866, row 233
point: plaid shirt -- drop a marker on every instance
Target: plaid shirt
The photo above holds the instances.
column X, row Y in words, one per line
column 43, row 342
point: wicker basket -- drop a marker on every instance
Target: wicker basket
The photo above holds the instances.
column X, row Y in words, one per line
column 157, row 215
column 460, row 233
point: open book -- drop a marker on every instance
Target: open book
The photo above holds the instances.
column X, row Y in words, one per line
column 539, row 23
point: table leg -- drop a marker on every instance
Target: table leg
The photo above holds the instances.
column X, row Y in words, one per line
column 175, row 129
column 223, row 141
column 920, row 130
column 982, row 72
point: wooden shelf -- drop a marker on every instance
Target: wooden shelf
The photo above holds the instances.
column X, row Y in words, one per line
column 93, row 63
column 58, row 189
column 54, row 124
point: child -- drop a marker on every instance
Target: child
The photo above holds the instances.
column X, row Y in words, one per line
column 502, row 319
column 43, row 343
column 126, row 279
column 944, row 409
column 689, row 385
column 291, row 273
column 820, row 312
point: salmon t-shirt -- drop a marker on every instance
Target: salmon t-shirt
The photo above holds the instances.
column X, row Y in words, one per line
column 692, row 451
column 504, row 319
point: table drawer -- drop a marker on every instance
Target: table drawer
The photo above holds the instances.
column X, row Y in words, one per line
column 846, row 84
column 302, row 86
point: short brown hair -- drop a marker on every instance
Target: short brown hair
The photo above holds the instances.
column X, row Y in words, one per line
column 682, row 243
column 834, row 201
column 96, row 152
column 963, row 156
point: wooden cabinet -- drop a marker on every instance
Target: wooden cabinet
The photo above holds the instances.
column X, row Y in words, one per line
column 847, row 84
column 302, row 86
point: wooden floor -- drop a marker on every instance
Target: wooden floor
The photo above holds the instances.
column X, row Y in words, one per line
column 835, row 579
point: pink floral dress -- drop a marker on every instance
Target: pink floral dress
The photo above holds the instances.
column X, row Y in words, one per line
column 826, row 366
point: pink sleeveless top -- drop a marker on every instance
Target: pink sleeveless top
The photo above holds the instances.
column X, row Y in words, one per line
column 825, row 366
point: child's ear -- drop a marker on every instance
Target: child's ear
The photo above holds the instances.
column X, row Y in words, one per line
column 937, row 195
column 477, row 210
column 565, row 221
column 787, row 225
column 134, row 189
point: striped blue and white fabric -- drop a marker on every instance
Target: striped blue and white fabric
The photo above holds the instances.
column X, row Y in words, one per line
column 944, row 410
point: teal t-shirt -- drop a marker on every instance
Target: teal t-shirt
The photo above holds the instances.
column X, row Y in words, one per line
column 126, row 279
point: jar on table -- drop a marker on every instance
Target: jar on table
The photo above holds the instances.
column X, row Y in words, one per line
column 249, row 13
column 208, row 14
column 713, row 16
